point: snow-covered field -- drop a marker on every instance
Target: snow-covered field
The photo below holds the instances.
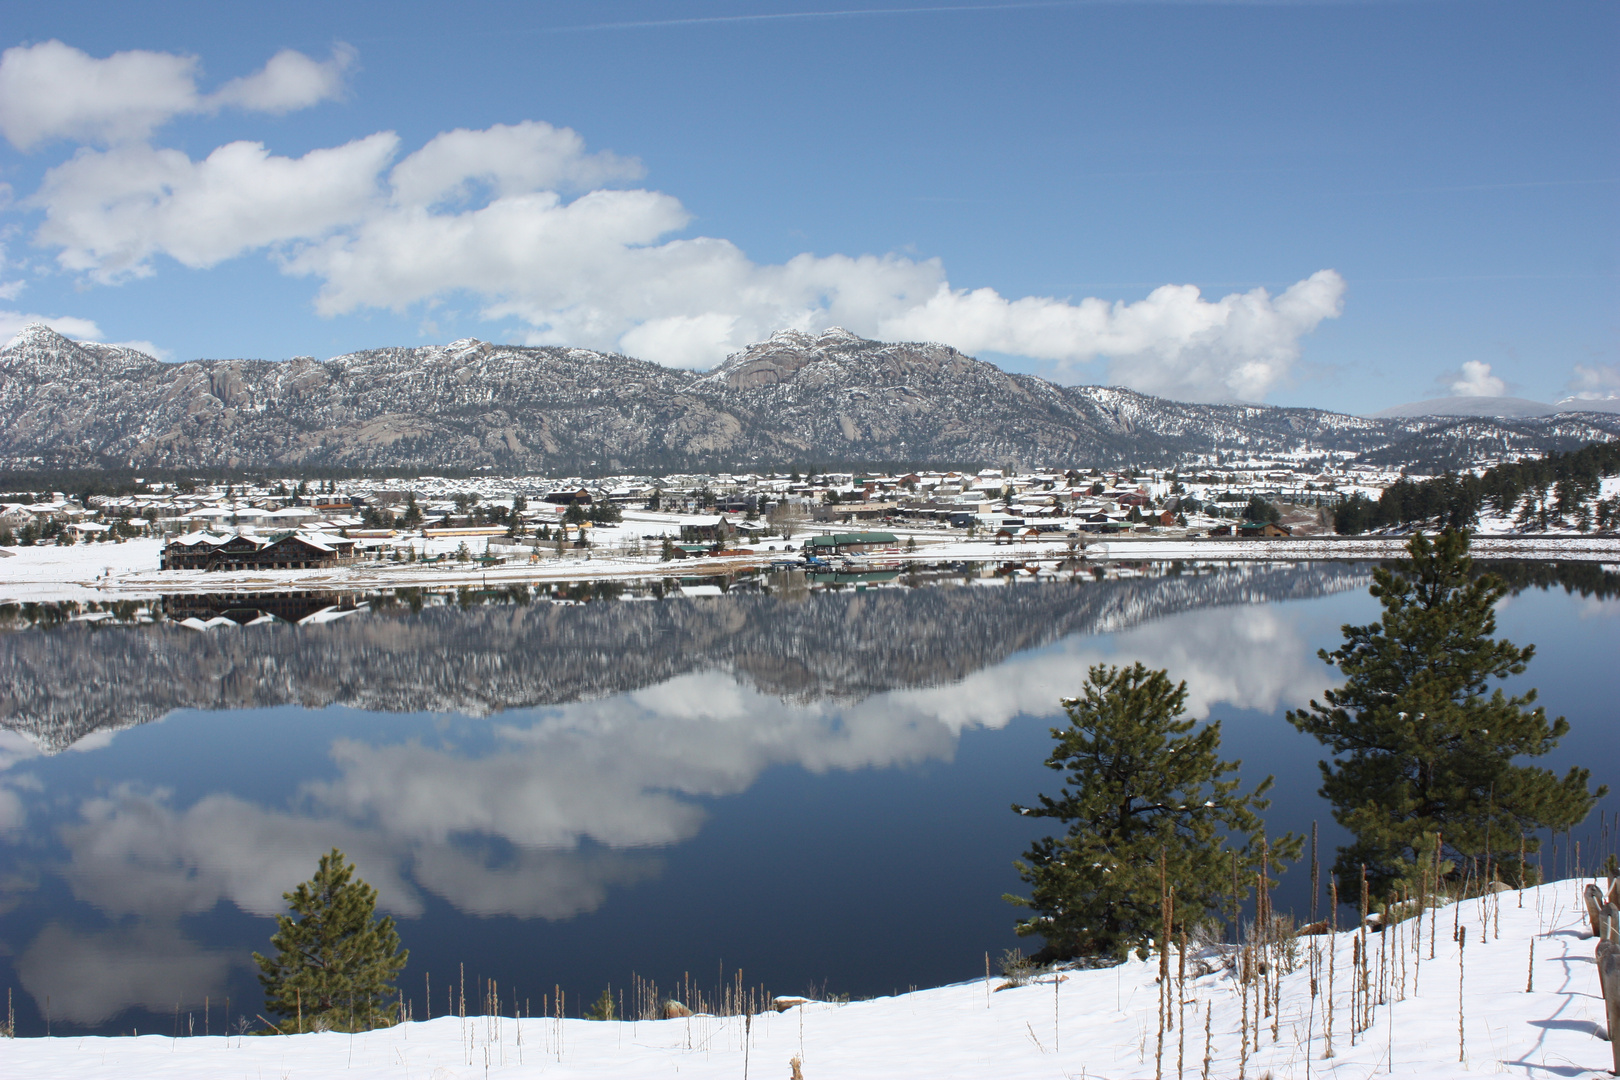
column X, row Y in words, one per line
column 1090, row 1023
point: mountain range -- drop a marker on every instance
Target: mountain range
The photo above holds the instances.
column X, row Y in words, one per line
column 795, row 398
column 1498, row 406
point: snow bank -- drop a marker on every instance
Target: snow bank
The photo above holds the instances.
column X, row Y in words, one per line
column 1095, row 1023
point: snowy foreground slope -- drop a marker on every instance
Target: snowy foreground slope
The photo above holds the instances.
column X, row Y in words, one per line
column 1098, row 1023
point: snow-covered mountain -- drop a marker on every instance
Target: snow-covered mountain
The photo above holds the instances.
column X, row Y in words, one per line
column 1471, row 406
column 795, row 398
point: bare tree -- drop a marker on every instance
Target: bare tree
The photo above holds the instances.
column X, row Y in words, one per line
column 787, row 518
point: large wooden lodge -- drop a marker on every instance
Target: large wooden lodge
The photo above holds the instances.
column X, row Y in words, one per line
column 238, row 551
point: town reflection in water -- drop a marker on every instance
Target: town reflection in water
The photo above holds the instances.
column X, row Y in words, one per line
column 169, row 768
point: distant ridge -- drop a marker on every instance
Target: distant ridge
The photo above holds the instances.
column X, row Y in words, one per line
column 795, row 398
column 1472, row 406
column 1571, row 404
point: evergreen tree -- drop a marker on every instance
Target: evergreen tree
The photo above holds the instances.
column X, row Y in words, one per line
column 1260, row 511
column 413, row 513
column 1418, row 746
column 1141, row 783
column 335, row 960
column 603, row 1009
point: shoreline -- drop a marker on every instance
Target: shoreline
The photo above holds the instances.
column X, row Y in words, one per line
column 107, row 572
column 1426, row 1019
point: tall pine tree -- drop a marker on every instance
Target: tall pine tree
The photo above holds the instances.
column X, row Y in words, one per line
column 1418, row 745
column 335, row 960
column 1140, row 783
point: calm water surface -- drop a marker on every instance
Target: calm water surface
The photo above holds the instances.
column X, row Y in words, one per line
column 809, row 781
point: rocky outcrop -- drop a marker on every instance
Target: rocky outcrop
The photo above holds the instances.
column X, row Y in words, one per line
column 795, row 398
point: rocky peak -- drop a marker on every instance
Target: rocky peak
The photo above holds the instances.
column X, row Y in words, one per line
column 42, row 351
column 780, row 357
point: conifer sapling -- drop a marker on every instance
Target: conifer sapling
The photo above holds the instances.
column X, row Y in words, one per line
column 1140, row 783
column 334, row 957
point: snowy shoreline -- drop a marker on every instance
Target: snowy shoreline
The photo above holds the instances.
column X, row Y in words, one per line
column 1099, row 1022
column 128, row 571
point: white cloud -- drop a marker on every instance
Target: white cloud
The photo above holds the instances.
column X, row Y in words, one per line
column 1595, row 382
column 1475, row 380
column 12, row 289
column 288, row 82
column 1173, row 342
column 509, row 158
column 480, row 212
column 109, row 211
column 54, row 91
column 150, row 348
column 12, row 323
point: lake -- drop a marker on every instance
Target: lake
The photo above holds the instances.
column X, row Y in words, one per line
column 808, row 780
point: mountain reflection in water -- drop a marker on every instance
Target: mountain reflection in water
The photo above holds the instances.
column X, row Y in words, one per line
column 519, row 754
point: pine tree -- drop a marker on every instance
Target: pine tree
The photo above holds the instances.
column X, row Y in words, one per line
column 1418, row 747
column 1141, row 783
column 335, row 960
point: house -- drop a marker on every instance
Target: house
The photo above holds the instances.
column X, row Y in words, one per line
column 567, row 497
column 851, row 543
column 1265, row 529
column 712, row 530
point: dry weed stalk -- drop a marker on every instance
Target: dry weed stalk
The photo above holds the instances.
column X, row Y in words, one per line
column 1208, row 1044
column 1462, row 1046
column 1333, row 950
column 1181, row 1007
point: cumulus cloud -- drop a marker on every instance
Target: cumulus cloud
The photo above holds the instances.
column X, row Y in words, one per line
column 1595, row 382
column 12, row 323
column 483, row 212
column 54, row 91
column 1475, row 380
column 288, row 82
column 108, row 212
column 509, row 158
column 1172, row 342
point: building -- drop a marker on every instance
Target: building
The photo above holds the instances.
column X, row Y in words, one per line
column 238, row 551
column 1266, row 529
column 707, row 530
column 851, row 543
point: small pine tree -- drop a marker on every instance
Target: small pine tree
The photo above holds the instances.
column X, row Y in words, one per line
column 1140, row 783
column 335, row 960
column 603, row 1009
column 1418, row 746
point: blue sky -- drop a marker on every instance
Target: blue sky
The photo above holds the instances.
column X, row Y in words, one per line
column 1425, row 192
